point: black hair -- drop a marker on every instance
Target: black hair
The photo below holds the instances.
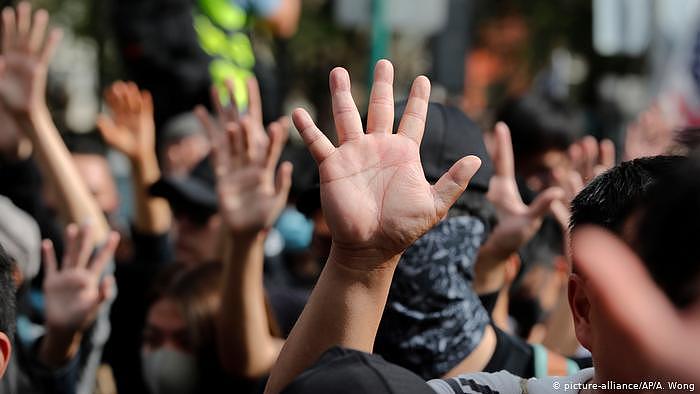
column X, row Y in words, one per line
column 7, row 295
column 610, row 199
column 85, row 143
column 538, row 125
column 668, row 231
column 541, row 250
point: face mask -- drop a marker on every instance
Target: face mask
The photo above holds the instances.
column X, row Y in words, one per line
column 527, row 311
column 489, row 301
column 296, row 230
column 169, row 371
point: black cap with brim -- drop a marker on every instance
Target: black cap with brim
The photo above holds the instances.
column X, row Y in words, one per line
column 344, row 371
column 194, row 194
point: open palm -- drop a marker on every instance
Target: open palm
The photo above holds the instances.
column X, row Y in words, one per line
column 373, row 190
column 75, row 291
column 251, row 194
column 26, row 52
column 131, row 128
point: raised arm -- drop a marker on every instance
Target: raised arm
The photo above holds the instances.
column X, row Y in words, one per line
column 377, row 202
column 252, row 194
column 74, row 292
column 26, row 52
column 517, row 222
column 131, row 130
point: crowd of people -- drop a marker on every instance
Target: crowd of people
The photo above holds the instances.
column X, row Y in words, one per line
column 419, row 253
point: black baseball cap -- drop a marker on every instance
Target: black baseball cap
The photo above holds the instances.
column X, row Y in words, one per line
column 449, row 136
column 346, row 371
column 193, row 195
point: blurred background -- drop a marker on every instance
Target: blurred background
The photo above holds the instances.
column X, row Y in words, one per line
column 604, row 60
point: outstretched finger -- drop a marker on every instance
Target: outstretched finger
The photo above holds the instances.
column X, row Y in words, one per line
column 278, row 137
column 503, row 161
column 283, row 182
column 220, row 149
column 24, row 17
column 36, row 36
column 254, row 100
column 543, row 202
column 50, row 45
column 9, row 29
column 380, row 115
column 318, row 144
column 231, row 111
column 412, row 123
column 452, row 184
column 104, row 256
column 622, row 285
column 110, row 131
column 345, row 114
column 49, row 257
column 70, row 252
column 607, row 154
column 106, row 289
column 589, row 147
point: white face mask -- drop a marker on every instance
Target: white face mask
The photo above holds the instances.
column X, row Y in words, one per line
column 169, row 371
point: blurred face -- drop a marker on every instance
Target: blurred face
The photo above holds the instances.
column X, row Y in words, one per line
column 540, row 171
column 196, row 242
column 165, row 328
column 180, row 157
column 94, row 169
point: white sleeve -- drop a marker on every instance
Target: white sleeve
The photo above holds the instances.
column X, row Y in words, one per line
column 478, row 383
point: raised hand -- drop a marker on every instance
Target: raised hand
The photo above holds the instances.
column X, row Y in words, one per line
column 75, row 290
column 517, row 222
column 251, row 196
column 650, row 135
column 591, row 158
column 26, row 53
column 131, row 128
column 374, row 194
column 633, row 305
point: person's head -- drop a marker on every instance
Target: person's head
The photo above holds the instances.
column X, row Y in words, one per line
column 435, row 275
column 194, row 204
column 650, row 203
column 182, row 144
column 90, row 156
column 542, row 133
column 542, row 276
column 7, row 310
column 178, row 340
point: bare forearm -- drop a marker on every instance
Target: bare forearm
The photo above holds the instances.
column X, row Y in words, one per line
column 246, row 345
column 77, row 204
column 344, row 310
column 153, row 214
column 58, row 348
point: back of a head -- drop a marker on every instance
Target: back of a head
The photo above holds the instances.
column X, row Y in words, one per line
column 538, row 126
column 669, row 231
column 7, row 295
column 610, row 199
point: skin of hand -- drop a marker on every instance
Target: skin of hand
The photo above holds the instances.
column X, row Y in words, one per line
column 26, row 53
column 517, row 222
column 650, row 135
column 252, row 194
column 377, row 202
column 633, row 305
column 131, row 129
column 245, row 156
column 74, row 291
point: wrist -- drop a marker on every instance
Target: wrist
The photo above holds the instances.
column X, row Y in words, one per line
column 58, row 346
column 362, row 261
column 145, row 166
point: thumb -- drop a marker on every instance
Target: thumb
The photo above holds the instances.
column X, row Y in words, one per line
column 542, row 204
column 105, row 291
column 452, row 184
